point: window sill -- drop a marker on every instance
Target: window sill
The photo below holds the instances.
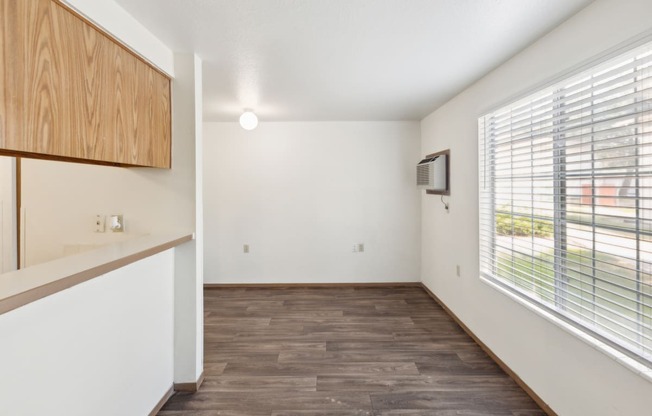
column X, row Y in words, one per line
column 624, row 360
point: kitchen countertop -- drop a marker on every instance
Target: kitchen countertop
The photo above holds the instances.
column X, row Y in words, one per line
column 23, row 286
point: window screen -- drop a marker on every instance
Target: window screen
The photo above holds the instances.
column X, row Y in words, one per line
column 566, row 200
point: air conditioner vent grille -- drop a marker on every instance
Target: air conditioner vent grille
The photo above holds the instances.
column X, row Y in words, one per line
column 431, row 173
column 423, row 174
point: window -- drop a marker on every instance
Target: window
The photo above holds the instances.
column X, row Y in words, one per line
column 566, row 200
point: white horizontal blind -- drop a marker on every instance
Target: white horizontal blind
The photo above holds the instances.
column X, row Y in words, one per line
column 566, row 200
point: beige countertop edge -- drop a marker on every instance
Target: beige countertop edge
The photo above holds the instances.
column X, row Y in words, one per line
column 28, row 285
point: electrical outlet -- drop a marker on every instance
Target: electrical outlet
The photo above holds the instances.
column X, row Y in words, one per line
column 100, row 223
column 457, row 270
column 245, row 248
column 355, row 248
column 361, row 247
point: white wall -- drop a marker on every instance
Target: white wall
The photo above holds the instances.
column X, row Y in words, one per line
column 188, row 288
column 103, row 347
column 7, row 214
column 571, row 376
column 60, row 201
column 301, row 194
column 198, row 282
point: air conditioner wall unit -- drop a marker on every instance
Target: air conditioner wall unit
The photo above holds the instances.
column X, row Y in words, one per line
column 432, row 173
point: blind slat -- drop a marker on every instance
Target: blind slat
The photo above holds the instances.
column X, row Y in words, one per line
column 566, row 199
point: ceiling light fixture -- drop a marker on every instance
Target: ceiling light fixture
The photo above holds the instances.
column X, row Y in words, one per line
column 248, row 120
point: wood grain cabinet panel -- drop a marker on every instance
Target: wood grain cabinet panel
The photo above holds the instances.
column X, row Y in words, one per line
column 68, row 91
column 11, row 76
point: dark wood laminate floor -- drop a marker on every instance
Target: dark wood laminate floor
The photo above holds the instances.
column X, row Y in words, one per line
column 342, row 351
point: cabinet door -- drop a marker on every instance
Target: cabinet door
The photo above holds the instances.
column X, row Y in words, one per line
column 12, row 76
column 159, row 120
column 138, row 100
column 71, row 92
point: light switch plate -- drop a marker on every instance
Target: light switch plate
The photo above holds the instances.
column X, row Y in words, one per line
column 116, row 223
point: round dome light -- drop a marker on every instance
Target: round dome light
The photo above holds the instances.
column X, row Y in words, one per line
column 248, row 120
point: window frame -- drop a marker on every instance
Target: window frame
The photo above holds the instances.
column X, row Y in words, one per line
column 488, row 152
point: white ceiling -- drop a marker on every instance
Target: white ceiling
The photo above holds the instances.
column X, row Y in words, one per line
column 291, row 60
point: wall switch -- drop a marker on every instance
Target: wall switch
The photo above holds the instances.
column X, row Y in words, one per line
column 245, row 248
column 116, row 223
column 457, row 270
column 100, row 223
column 361, row 247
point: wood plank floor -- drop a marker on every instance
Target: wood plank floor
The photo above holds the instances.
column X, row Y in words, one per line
column 342, row 351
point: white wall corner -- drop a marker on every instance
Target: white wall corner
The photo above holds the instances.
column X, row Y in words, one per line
column 199, row 212
column 186, row 108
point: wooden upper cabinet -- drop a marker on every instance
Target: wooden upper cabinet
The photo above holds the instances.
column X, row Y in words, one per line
column 68, row 91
